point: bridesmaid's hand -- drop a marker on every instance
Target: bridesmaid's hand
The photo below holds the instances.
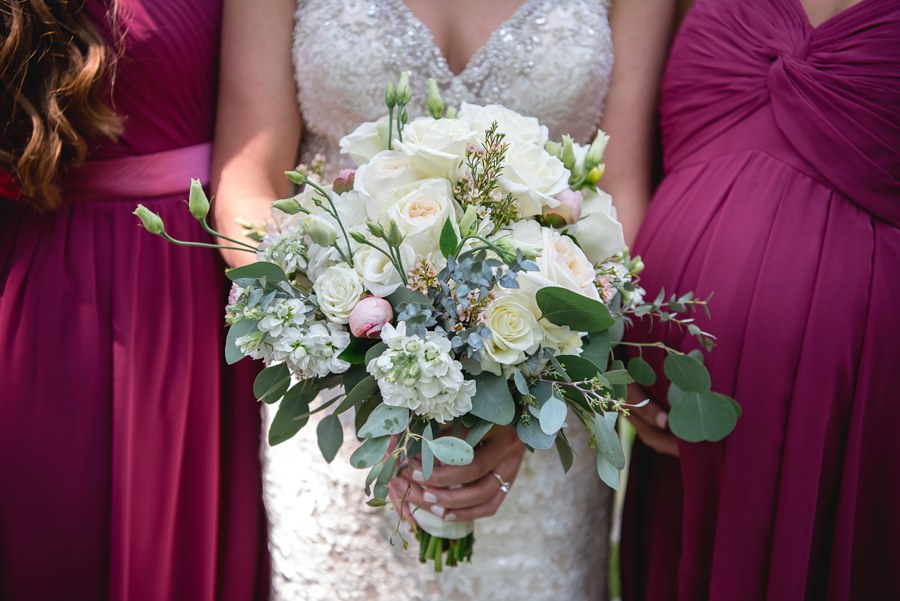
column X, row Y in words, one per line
column 651, row 423
column 467, row 492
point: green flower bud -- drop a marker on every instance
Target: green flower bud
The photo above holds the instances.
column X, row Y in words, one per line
column 394, row 236
column 568, row 152
column 595, row 152
column 296, row 177
column 390, row 96
column 375, row 228
column 595, row 174
column 198, row 203
column 435, row 102
column 554, row 148
column 319, row 231
column 358, row 237
column 403, row 94
column 450, row 113
column 509, row 245
column 467, row 224
column 287, row 205
column 151, row 221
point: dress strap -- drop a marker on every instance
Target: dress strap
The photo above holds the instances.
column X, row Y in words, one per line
column 141, row 176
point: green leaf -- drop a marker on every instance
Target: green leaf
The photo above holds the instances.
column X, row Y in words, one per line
column 553, row 415
column 404, row 295
column 578, row 368
column 566, row 308
column 370, row 452
column 355, row 353
column 620, row 390
column 387, row 470
column 702, row 416
column 233, row 354
column 618, row 376
column 353, row 376
column 596, row 349
column 375, row 351
column 608, row 443
column 531, row 434
column 385, row 420
column 675, row 394
column 362, row 391
column 687, row 372
column 641, row 371
column 451, row 450
column 478, row 430
column 257, row 271
column 608, row 473
column 492, row 400
column 271, row 383
column 427, row 455
column 564, row 450
column 330, row 435
column 449, row 241
column 290, row 417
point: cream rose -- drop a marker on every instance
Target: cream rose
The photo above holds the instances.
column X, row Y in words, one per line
column 379, row 179
column 561, row 263
column 366, row 141
column 515, row 333
column 534, row 177
column 378, row 274
column 598, row 231
column 338, row 291
column 437, row 147
column 421, row 212
column 516, row 127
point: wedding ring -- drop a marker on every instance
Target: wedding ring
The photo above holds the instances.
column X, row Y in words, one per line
column 504, row 485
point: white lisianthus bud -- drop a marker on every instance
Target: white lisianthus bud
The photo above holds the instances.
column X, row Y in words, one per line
column 198, row 203
column 435, row 102
column 390, row 96
column 467, row 224
column 509, row 245
column 568, row 209
column 403, row 94
column 291, row 206
column 151, row 221
column 568, row 152
column 554, row 149
column 595, row 152
column 451, row 113
column 319, row 231
column 369, row 317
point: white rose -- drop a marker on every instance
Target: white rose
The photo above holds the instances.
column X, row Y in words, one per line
column 382, row 176
column 598, row 231
column 366, row 141
column 338, row 291
column 534, row 177
column 515, row 333
column 320, row 259
column 516, row 127
column 437, row 147
column 378, row 274
column 351, row 208
column 561, row 263
column 421, row 212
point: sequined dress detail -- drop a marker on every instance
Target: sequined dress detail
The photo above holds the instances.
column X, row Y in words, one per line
column 549, row 539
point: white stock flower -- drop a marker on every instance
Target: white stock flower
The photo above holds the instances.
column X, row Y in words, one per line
column 421, row 212
column 381, row 177
column 378, row 274
column 313, row 351
column 288, row 313
column 421, row 375
column 516, row 127
column 366, row 141
column 437, row 147
column 534, row 177
column 515, row 333
column 598, row 232
column 338, row 290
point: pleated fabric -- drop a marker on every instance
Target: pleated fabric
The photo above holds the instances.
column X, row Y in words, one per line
column 128, row 452
column 782, row 197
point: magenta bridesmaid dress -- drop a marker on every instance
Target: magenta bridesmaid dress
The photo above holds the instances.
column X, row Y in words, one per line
column 128, row 454
column 781, row 195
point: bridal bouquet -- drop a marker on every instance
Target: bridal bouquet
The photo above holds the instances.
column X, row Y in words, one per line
column 469, row 273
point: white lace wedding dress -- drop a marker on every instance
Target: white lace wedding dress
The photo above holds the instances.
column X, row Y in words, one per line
column 551, row 59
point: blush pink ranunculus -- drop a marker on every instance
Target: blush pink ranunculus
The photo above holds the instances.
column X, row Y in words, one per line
column 369, row 316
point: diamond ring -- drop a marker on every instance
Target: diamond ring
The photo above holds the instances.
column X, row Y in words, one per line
column 504, row 485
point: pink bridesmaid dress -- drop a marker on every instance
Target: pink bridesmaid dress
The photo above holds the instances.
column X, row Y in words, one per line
column 781, row 195
column 128, row 466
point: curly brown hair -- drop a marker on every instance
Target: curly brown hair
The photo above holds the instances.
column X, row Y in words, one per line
column 56, row 72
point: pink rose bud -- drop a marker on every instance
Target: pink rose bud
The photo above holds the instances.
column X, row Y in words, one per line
column 369, row 316
column 569, row 208
column 344, row 181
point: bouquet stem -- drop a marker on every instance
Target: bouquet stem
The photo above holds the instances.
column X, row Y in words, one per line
column 457, row 550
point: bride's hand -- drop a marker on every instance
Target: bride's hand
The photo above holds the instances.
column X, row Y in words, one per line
column 651, row 423
column 467, row 492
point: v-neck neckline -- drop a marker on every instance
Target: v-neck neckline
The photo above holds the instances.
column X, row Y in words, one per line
column 836, row 17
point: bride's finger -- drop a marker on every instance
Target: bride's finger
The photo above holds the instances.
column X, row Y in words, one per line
column 487, row 457
column 507, row 472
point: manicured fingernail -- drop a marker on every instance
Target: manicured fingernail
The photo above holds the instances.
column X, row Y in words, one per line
column 418, row 476
column 429, row 497
column 450, row 517
column 662, row 420
column 454, row 486
column 437, row 510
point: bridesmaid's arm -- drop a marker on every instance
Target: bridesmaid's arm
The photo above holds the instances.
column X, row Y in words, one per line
column 642, row 32
column 258, row 121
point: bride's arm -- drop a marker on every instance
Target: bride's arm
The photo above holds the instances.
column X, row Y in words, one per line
column 641, row 32
column 258, row 120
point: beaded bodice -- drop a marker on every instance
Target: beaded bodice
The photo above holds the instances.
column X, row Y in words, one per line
column 550, row 59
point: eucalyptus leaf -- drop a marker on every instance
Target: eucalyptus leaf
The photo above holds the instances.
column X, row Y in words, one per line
column 355, row 353
column 478, row 430
column 385, row 420
column 387, row 470
column 233, row 354
column 427, row 455
column 608, row 443
column 362, row 391
column 271, row 383
column 451, row 450
column 553, row 415
column 566, row 308
column 608, row 473
column 596, row 349
column 531, row 434
column 578, row 368
column 618, row 376
column 564, row 450
column 700, row 416
column 289, row 418
column 687, row 372
column 370, row 453
column 641, row 371
column 404, row 295
column 521, row 384
column 374, row 352
column 492, row 400
column 257, row 271
column 330, row 436
column 620, row 390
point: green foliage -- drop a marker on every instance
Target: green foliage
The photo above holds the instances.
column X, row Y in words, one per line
column 608, row 472
column 607, row 439
column 451, row 450
column 427, row 455
column 330, row 435
column 362, row 391
column 233, row 354
column 564, row 450
column 641, row 371
column 531, row 434
column 355, row 353
column 478, row 430
column 385, row 420
column 566, row 308
column 271, row 383
column 404, row 295
column 699, row 416
column 292, row 414
column 261, row 270
column 493, row 401
column 449, row 241
column 596, row 349
column 552, row 415
column 370, row 452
